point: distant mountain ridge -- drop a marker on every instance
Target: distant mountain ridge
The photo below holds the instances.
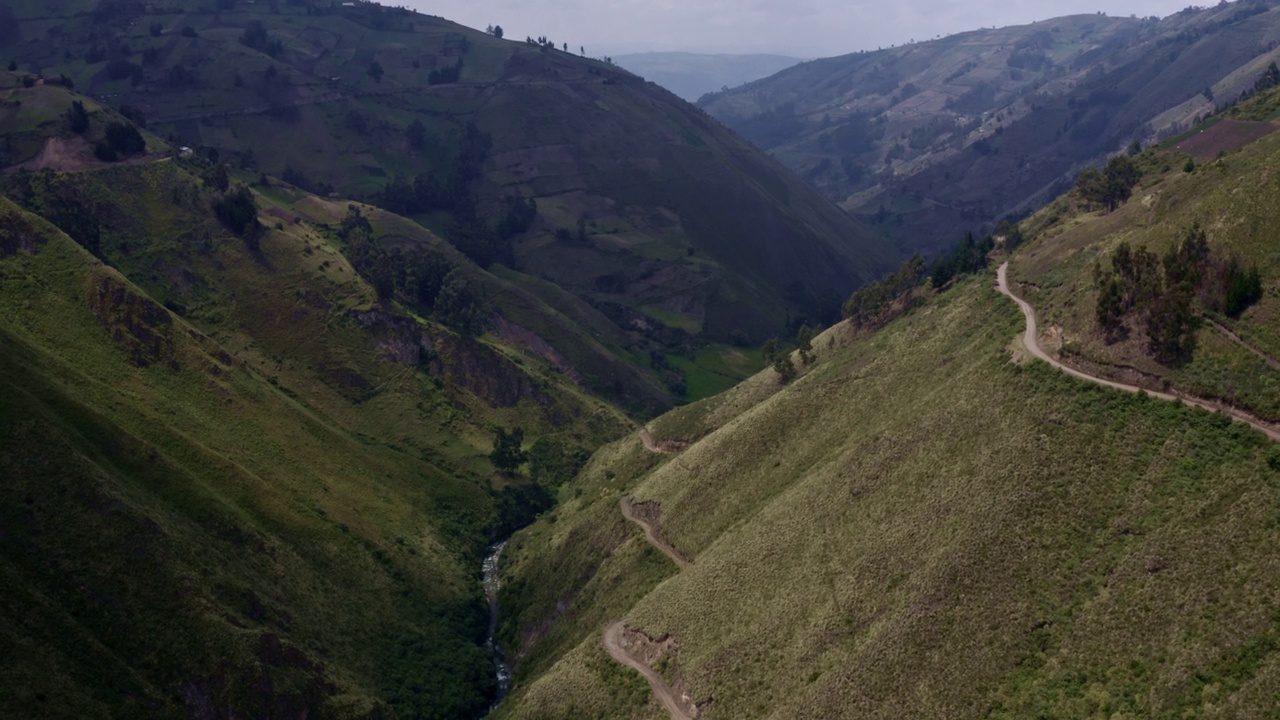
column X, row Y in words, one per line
column 692, row 75
column 929, row 139
column 677, row 231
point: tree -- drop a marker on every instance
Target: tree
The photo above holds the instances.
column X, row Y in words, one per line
column 78, row 118
column 1112, row 186
column 769, row 351
column 218, row 178
column 13, row 66
column 124, row 139
column 784, row 367
column 496, row 31
column 554, row 463
column 238, row 212
column 805, row 338
column 156, row 29
column 189, row 32
column 416, row 135
column 458, row 306
column 508, row 452
column 375, row 71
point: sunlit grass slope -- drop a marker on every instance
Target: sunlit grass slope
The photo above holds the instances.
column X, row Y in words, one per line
column 918, row 527
column 1233, row 199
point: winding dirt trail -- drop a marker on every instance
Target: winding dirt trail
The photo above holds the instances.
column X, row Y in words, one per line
column 662, row 447
column 670, row 700
column 1030, row 339
column 652, row 534
column 677, row 705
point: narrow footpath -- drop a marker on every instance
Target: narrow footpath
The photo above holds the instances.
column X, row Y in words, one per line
column 1030, row 339
column 676, row 705
column 615, row 644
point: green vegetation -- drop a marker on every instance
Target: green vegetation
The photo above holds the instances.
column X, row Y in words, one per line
column 1112, row 186
column 880, row 538
column 508, row 452
column 245, row 424
column 494, row 145
column 1172, row 288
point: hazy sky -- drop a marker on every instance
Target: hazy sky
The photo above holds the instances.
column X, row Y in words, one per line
column 802, row 28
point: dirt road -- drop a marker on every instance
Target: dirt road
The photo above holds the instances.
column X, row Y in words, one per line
column 1030, row 339
column 651, row 533
column 664, row 447
column 615, row 645
column 680, row 708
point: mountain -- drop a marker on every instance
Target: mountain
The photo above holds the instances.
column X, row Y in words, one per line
column 243, row 473
column 692, row 75
column 930, row 522
column 676, row 230
column 928, row 139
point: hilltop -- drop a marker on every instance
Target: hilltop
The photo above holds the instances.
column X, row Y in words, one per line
column 673, row 228
column 922, row 139
column 692, row 75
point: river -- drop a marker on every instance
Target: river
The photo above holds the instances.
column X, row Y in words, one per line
column 491, row 584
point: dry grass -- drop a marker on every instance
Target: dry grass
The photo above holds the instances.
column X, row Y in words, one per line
column 920, row 528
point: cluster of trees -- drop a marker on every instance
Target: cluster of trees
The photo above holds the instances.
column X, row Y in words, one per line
column 482, row 243
column 78, row 118
column 255, row 36
column 1269, row 79
column 873, row 305
column 1161, row 292
column 445, row 76
column 551, row 464
column 121, row 139
column 60, row 200
column 970, row 256
column 494, row 30
column 427, row 194
column 237, row 211
column 1110, row 187
column 416, row 276
column 778, row 355
column 508, row 449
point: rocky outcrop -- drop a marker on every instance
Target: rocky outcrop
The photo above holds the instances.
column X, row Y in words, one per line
column 135, row 322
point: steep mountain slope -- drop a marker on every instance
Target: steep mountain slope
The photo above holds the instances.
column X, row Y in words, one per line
column 962, row 131
column 645, row 207
column 912, row 529
column 1227, row 352
column 183, row 537
column 692, row 75
column 245, row 470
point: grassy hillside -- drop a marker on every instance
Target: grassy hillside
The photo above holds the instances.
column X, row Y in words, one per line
column 668, row 225
column 183, row 536
column 913, row 529
column 692, row 75
column 247, row 470
column 1229, row 198
column 961, row 131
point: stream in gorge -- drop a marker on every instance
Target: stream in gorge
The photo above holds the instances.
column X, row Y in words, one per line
column 491, row 584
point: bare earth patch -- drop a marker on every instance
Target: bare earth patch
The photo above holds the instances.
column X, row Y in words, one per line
column 1224, row 137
